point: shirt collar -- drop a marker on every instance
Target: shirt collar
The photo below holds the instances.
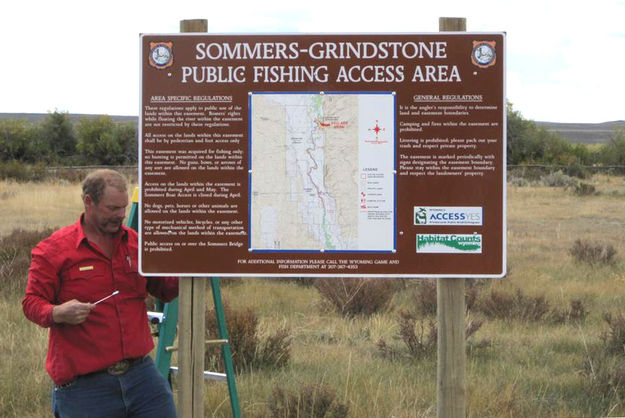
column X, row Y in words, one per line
column 80, row 236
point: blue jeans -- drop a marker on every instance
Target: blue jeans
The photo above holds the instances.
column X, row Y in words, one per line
column 140, row 392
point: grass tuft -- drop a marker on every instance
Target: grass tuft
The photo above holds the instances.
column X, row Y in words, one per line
column 585, row 189
column 614, row 338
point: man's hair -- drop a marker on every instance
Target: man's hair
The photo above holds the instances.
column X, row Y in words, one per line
column 95, row 183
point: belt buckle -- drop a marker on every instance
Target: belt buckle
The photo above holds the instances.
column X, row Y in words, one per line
column 118, row 368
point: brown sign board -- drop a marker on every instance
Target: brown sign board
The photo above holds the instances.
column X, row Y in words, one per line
column 323, row 155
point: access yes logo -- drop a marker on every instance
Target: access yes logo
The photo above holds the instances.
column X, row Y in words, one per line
column 420, row 216
column 448, row 215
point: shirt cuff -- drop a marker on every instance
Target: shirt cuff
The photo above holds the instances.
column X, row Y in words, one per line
column 47, row 315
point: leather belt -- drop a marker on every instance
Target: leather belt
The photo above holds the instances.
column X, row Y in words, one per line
column 116, row 369
column 122, row 366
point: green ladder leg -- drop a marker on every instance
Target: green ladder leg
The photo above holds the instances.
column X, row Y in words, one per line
column 226, row 352
column 166, row 336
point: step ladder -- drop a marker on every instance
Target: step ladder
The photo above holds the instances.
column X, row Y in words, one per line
column 165, row 317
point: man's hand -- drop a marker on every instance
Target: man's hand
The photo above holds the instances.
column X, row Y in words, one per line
column 71, row 312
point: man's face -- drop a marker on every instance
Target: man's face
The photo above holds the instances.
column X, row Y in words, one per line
column 108, row 214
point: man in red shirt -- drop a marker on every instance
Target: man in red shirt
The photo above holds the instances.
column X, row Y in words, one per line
column 98, row 351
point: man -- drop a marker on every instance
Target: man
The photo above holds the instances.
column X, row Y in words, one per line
column 97, row 352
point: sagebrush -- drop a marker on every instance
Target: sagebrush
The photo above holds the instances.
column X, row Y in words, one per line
column 419, row 336
column 513, row 306
column 584, row 251
column 425, row 295
column 357, row 296
column 604, row 363
column 15, row 251
column 249, row 350
column 310, row 401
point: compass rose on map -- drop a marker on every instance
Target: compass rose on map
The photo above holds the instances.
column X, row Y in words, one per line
column 377, row 129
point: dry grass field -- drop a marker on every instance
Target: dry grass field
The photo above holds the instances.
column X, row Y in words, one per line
column 544, row 349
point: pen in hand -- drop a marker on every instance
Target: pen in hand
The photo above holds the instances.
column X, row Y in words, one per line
column 105, row 298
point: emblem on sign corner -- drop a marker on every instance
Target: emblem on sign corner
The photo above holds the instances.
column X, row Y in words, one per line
column 161, row 54
column 483, row 54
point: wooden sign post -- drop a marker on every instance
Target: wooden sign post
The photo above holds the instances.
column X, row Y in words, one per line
column 451, row 366
column 191, row 318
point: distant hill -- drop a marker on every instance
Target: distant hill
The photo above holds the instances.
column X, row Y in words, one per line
column 74, row 117
column 588, row 133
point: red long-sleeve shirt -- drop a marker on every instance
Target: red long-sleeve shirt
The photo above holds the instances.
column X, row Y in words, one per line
column 67, row 266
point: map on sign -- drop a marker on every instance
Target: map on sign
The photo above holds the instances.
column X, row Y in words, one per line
column 322, row 172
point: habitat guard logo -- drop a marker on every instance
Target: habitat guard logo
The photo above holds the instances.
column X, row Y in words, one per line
column 161, row 54
column 447, row 215
column 449, row 243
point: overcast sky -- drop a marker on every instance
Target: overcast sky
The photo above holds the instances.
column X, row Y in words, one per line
column 565, row 62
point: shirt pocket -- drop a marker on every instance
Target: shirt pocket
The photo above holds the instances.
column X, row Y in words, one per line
column 135, row 281
column 85, row 282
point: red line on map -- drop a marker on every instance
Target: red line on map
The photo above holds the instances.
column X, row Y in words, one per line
column 323, row 125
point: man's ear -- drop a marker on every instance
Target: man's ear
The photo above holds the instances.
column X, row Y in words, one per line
column 87, row 200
